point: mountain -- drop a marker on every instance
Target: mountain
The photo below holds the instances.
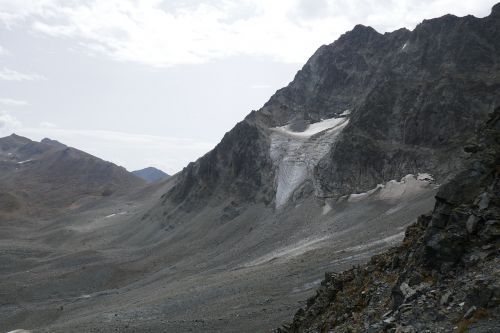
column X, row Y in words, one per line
column 328, row 173
column 444, row 276
column 47, row 177
column 54, row 143
column 405, row 102
column 300, row 184
column 150, row 174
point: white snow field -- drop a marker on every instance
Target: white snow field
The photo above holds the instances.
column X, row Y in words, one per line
column 314, row 128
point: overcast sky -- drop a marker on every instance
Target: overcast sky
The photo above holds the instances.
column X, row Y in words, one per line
column 158, row 82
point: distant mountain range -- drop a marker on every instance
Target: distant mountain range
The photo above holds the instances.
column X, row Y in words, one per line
column 47, row 177
column 151, row 174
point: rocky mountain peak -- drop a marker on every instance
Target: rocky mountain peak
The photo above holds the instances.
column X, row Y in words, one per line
column 14, row 139
column 360, row 33
column 412, row 99
column 53, row 143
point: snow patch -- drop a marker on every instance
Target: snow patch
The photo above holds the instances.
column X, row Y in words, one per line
column 425, row 176
column 22, row 162
column 326, row 209
column 409, row 185
column 295, row 154
column 390, row 240
column 405, row 45
column 393, row 210
column 365, row 251
column 290, row 251
column 114, row 214
column 19, row 331
column 355, row 197
column 312, row 129
column 345, row 113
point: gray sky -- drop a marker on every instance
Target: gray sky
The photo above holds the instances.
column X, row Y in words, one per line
column 158, row 83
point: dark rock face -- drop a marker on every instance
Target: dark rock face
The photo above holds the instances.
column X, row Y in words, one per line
column 468, row 205
column 415, row 99
column 238, row 165
column 151, row 174
column 443, row 278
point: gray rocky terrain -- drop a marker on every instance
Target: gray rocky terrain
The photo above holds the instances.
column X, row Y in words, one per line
column 103, row 270
column 329, row 172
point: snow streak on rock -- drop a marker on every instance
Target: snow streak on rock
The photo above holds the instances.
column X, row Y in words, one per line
column 289, row 251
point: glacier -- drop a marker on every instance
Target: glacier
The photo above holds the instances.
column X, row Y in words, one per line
column 295, row 154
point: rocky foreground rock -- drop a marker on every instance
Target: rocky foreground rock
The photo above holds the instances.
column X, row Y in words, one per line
column 444, row 277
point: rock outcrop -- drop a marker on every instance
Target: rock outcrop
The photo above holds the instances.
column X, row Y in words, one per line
column 443, row 278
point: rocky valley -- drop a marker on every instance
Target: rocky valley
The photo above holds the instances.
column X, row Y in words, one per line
column 364, row 193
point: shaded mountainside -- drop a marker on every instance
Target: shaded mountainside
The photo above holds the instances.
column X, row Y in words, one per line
column 444, row 277
column 411, row 100
column 43, row 178
column 151, row 174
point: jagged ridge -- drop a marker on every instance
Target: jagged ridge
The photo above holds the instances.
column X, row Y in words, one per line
column 415, row 98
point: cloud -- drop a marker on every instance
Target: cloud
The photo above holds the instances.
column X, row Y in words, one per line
column 12, row 102
column 8, row 123
column 47, row 124
column 131, row 150
column 3, row 51
column 168, row 33
column 261, row 86
column 12, row 75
